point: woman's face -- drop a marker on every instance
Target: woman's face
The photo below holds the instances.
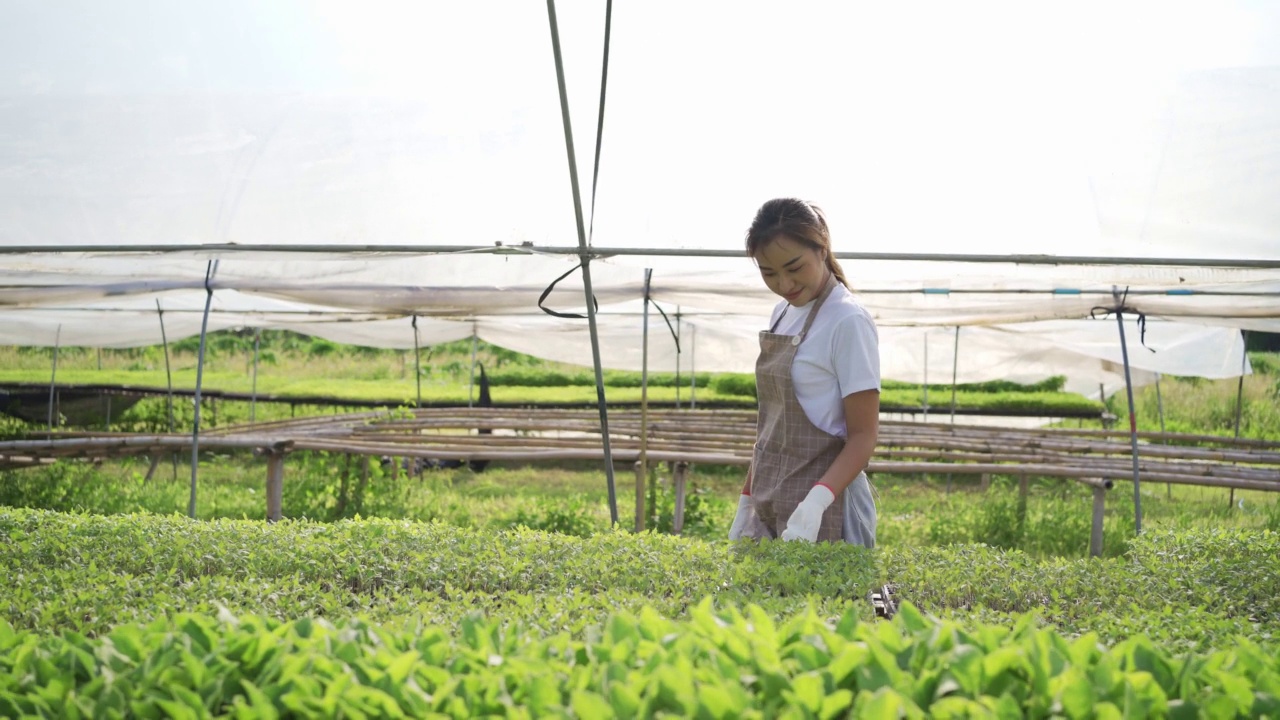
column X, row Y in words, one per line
column 792, row 270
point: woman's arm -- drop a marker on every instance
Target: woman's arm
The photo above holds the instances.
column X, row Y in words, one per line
column 862, row 423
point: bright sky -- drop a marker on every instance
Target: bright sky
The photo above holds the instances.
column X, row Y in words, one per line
column 925, row 127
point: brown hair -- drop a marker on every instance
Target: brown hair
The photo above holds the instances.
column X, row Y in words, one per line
column 798, row 220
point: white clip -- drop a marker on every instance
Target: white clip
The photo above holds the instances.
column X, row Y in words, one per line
column 795, row 340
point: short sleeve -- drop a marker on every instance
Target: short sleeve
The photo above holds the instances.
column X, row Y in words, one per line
column 855, row 354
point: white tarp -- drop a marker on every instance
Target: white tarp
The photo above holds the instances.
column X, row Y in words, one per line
column 1146, row 130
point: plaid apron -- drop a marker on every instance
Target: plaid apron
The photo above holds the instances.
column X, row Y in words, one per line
column 791, row 453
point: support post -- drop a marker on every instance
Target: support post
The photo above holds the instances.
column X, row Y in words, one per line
column 195, row 425
column 471, row 383
column 644, row 396
column 693, row 372
column 275, row 484
column 955, row 368
column 53, row 376
column 253, row 397
column 679, row 478
column 926, row 374
column 640, row 473
column 984, row 482
column 151, row 470
column 678, row 331
column 1168, row 487
column 1133, row 419
column 168, row 370
column 584, row 247
column 1244, row 359
column 168, row 374
column 417, row 363
column 1095, row 534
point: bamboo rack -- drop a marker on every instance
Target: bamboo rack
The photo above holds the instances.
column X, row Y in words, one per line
column 681, row 437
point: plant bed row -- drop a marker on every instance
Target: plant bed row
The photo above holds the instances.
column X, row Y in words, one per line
column 717, row 663
column 85, row 573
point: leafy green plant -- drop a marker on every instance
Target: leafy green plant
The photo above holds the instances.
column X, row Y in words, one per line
column 720, row 662
column 566, row 516
column 734, row 384
column 705, row 514
column 320, row 347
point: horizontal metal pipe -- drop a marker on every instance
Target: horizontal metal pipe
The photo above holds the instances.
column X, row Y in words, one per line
column 215, row 250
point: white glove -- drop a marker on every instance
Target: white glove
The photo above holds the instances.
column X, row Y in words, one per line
column 746, row 523
column 807, row 518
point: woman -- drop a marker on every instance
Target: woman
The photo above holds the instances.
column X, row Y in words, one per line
column 818, row 383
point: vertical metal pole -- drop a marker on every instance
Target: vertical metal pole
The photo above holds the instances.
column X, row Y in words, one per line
column 99, row 358
column 643, row 474
column 53, row 377
column 1244, row 359
column 417, row 363
column 1160, row 404
column 1168, row 487
column 168, row 373
column 253, row 397
column 679, row 480
column 1095, row 534
column 955, row 368
column 926, row 375
column 168, row 370
column 585, row 256
column 678, row 330
column 1133, row 423
column 275, row 484
column 195, row 426
column 471, row 384
column 693, row 370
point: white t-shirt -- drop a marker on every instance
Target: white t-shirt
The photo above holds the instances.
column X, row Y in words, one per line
column 840, row 356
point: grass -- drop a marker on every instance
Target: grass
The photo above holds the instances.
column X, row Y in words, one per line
column 572, row 498
column 389, row 377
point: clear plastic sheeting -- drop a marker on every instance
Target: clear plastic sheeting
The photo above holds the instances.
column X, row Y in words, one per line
column 300, row 143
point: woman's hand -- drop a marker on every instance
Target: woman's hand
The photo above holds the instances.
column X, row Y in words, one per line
column 807, row 518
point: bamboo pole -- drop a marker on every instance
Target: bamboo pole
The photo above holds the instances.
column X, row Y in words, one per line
column 53, row 376
column 693, row 372
column 195, row 427
column 471, row 382
column 1095, row 533
column 1168, row 489
column 639, row 469
column 643, row 475
column 584, row 256
column 150, row 444
column 1244, row 359
column 275, row 484
column 417, row 362
column 679, row 478
column 253, row 400
column 926, row 375
column 955, row 368
column 679, row 330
